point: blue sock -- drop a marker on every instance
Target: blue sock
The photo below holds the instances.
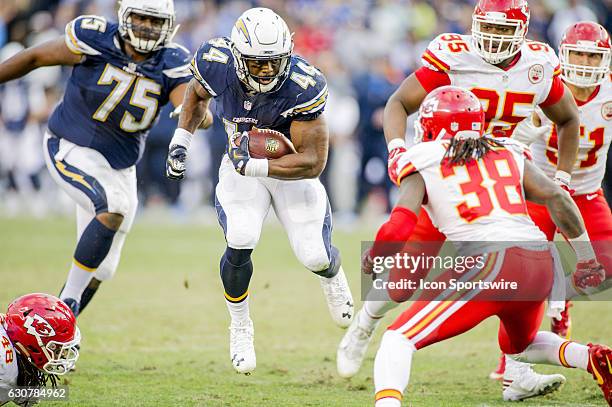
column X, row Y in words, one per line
column 236, row 270
column 94, row 245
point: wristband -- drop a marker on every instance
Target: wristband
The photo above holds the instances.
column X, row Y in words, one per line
column 181, row 138
column 256, row 167
column 564, row 177
column 582, row 247
column 396, row 143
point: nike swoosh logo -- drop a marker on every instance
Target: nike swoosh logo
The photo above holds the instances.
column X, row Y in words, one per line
column 591, row 197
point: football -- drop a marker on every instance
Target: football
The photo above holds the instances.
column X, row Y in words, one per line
column 271, row 144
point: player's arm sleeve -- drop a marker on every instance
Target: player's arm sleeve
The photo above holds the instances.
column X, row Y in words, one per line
column 84, row 33
column 178, row 66
column 310, row 104
column 430, row 79
column 557, row 89
column 210, row 67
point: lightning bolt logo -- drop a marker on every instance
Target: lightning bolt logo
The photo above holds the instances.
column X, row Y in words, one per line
column 72, row 175
column 240, row 26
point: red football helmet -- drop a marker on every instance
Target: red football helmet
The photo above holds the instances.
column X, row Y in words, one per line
column 496, row 48
column 590, row 37
column 447, row 112
column 44, row 331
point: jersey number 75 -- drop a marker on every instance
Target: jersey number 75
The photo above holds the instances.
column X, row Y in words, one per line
column 140, row 98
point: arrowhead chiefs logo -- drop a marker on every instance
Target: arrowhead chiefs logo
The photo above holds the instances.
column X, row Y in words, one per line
column 536, row 73
column 38, row 326
column 606, row 110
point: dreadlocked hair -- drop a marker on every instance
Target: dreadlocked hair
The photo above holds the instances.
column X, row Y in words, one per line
column 29, row 375
column 463, row 150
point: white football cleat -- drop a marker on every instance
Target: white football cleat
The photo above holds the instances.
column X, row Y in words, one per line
column 352, row 347
column 339, row 299
column 242, row 350
column 521, row 382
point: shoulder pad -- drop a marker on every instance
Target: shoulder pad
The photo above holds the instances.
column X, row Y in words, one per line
column 446, row 51
column 426, row 154
column 211, row 65
column 544, row 53
column 307, row 86
column 88, row 34
column 176, row 61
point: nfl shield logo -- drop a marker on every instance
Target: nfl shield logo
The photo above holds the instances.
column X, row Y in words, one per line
column 248, row 105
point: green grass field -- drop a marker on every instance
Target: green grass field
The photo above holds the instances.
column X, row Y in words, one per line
column 157, row 333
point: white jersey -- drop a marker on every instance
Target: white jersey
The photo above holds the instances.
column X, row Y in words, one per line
column 481, row 201
column 595, row 138
column 8, row 364
column 508, row 95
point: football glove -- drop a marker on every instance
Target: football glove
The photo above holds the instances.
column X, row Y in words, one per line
column 588, row 275
column 175, row 163
column 238, row 151
column 392, row 163
column 367, row 263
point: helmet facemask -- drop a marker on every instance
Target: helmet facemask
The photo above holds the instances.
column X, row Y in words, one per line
column 62, row 356
column 496, row 48
column 145, row 38
column 277, row 65
column 584, row 76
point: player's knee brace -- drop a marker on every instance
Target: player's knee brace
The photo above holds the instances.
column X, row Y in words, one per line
column 109, row 266
column 334, row 264
column 94, row 244
column 236, row 270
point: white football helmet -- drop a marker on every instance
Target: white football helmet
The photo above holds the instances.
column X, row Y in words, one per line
column 261, row 35
column 143, row 39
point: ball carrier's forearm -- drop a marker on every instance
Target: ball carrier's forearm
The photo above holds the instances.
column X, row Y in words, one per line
column 311, row 140
column 193, row 112
column 195, row 107
column 297, row 166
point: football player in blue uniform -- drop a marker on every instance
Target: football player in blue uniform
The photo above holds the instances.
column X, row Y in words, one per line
column 122, row 74
column 257, row 82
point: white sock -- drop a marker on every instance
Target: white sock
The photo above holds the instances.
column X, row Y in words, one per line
column 373, row 311
column 239, row 311
column 388, row 402
column 392, row 366
column 553, row 350
column 78, row 279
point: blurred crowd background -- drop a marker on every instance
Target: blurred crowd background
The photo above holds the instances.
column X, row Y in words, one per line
column 365, row 48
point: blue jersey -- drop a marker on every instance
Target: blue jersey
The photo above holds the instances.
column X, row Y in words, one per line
column 301, row 97
column 110, row 101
